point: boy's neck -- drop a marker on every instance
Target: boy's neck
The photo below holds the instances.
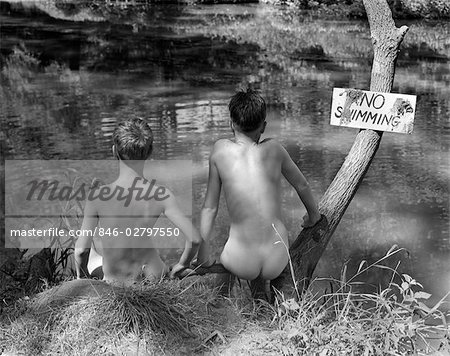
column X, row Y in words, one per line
column 131, row 169
column 248, row 137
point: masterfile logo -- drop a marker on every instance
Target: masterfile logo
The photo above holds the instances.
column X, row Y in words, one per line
column 45, row 201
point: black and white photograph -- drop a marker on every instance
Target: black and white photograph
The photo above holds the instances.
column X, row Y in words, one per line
column 225, row 177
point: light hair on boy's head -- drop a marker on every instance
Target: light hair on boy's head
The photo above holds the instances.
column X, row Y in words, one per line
column 247, row 110
column 133, row 140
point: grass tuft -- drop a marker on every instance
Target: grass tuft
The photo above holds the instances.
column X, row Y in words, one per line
column 148, row 314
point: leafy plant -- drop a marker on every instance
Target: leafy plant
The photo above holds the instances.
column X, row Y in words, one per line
column 395, row 321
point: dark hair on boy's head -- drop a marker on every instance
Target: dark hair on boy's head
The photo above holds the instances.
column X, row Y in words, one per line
column 247, row 110
column 133, row 140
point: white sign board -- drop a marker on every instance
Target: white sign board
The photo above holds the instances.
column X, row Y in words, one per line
column 372, row 110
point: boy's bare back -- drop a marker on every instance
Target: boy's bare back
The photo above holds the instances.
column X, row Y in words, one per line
column 124, row 210
column 250, row 172
column 250, row 175
column 129, row 256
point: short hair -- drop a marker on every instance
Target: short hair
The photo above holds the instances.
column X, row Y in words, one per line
column 247, row 110
column 133, row 139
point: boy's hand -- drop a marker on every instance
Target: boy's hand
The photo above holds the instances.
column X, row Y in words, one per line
column 180, row 271
column 310, row 221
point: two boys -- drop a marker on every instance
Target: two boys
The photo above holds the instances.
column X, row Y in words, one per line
column 249, row 171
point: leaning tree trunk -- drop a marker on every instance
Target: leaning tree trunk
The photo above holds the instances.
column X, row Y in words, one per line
column 311, row 243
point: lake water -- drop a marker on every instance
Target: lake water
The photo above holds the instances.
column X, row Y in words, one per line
column 69, row 82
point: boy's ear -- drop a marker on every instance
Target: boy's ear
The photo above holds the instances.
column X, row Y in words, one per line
column 231, row 125
column 264, row 126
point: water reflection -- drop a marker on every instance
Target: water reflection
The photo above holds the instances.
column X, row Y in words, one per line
column 65, row 90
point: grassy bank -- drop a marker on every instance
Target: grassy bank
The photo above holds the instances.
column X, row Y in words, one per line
column 189, row 317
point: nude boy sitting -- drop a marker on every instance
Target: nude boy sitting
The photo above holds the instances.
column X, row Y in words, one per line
column 127, row 259
column 250, row 170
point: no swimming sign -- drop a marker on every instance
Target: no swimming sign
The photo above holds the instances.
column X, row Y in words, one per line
column 372, row 110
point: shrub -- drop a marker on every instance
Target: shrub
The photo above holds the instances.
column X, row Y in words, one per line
column 394, row 321
column 401, row 8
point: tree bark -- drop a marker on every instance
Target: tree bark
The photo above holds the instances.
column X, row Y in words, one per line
column 311, row 243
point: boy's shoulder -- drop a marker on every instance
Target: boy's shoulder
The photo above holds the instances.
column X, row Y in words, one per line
column 220, row 145
column 155, row 188
column 270, row 141
column 271, row 144
column 221, row 142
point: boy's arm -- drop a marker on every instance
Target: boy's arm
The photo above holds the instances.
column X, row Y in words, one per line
column 209, row 211
column 84, row 241
column 295, row 177
column 193, row 239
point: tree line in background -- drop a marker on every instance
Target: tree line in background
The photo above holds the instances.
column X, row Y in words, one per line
column 412, row 9
column 433, row 9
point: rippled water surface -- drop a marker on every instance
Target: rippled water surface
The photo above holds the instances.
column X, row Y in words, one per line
column 65, row 85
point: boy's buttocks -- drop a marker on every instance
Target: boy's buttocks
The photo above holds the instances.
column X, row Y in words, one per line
column 256, row 251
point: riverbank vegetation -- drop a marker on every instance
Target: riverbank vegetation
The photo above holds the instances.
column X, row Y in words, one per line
column 189, row 317
column 103, row 9
column 411, row 9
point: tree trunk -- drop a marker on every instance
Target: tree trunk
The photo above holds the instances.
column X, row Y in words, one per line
column 311, row 243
